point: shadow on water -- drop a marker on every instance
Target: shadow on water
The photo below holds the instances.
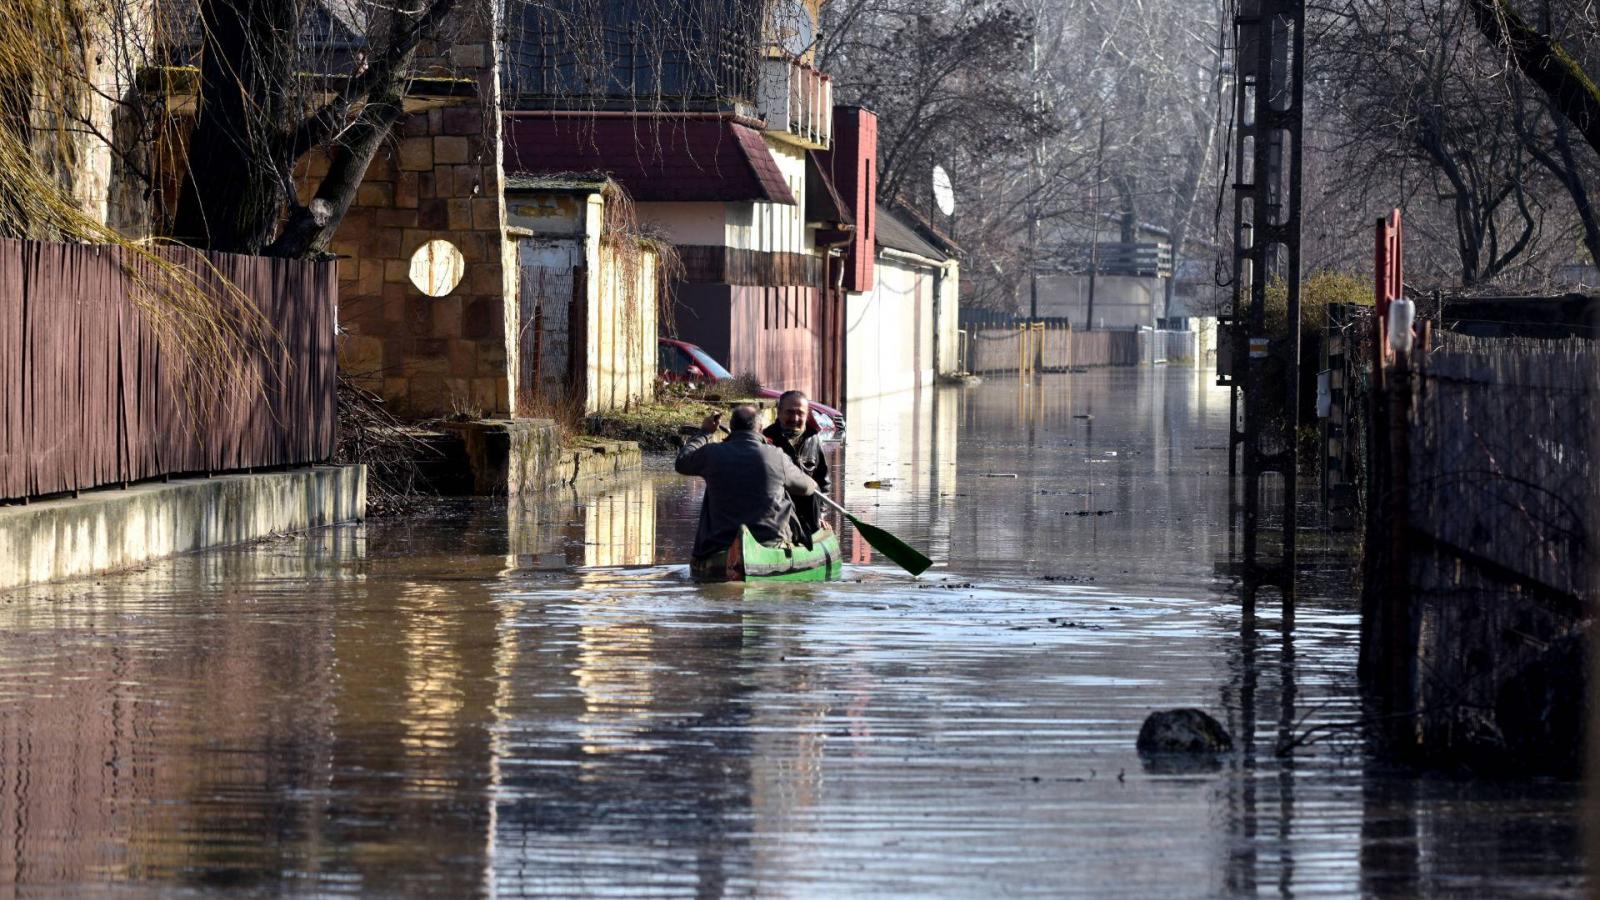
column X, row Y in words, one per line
column 534, row 699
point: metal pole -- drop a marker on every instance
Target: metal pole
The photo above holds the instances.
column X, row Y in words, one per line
column 1271, row 51
column 1094, row 226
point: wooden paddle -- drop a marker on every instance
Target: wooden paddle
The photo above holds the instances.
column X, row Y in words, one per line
column 904, row 555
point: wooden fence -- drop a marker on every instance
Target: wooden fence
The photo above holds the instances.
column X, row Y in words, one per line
column 1052, row 347
column 92, row 394
column 1479, row 546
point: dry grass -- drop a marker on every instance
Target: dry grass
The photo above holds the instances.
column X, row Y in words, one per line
column 661, row 425
column 656, row 426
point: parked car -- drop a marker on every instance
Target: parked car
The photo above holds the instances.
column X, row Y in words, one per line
column 684, row 362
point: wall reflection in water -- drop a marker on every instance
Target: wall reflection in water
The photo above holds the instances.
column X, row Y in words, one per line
column 144, row 737
column 905, row 445
column 613, row 525
column 1116, row 472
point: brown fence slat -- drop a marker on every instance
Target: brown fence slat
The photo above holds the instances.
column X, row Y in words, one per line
column 91, row 394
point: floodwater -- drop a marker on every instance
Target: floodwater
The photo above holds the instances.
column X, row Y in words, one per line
column 534, row 700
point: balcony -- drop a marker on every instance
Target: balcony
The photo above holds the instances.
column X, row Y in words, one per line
column 797, row 103
column 1145, row 259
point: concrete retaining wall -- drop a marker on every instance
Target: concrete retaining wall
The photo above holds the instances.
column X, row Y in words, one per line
column 606, row 459
column 114, row 529
column 517, row 456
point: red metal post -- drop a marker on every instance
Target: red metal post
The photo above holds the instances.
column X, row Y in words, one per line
column 1388, row 281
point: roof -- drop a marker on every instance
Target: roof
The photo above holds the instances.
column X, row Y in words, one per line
column 896, row 233
column 568, row 183
column 655, row 158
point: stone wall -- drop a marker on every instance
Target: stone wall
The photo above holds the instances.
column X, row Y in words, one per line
column 438, row 178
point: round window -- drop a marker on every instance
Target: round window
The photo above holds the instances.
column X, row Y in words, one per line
column 437, row 267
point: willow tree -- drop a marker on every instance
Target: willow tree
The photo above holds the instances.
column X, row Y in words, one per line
column 268, row 82
column 253, row 124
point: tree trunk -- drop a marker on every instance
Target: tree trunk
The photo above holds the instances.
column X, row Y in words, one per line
column 310, row 228
column 238, row 161
column 1572, row 179
column 1572, row 92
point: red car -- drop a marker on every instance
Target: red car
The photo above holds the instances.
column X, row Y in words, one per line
column 686, row 362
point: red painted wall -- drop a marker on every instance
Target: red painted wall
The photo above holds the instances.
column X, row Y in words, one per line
column 774, row 333
column 852, row 163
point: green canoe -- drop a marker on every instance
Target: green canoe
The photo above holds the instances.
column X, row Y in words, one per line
column 750, row 560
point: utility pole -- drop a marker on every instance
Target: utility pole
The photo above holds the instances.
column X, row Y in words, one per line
column 1269, row 57
column 1094, row 225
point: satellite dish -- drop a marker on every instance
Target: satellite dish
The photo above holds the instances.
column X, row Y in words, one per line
column 943, row 195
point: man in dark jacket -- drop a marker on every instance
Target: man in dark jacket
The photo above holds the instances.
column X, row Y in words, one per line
column 748, row 482
column 797, row 435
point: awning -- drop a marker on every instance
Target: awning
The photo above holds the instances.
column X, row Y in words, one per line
column 823, row 203
column 655, row 158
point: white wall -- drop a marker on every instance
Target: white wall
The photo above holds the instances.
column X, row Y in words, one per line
column 889, row 332
column 618, row 335
column 622, row 330
column 948, row 320
column 686, row 223
column 773, row 227
column 1120, row 301
column 555, row 212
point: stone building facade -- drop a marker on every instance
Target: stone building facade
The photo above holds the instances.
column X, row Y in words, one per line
column 439, row 179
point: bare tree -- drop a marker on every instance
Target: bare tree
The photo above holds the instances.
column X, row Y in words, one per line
column 250, row 131
column 1423, row 117
column 267, row 90
column 1014, row 98
column 943, row 81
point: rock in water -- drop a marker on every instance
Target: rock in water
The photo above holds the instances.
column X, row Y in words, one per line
column 1183, row 731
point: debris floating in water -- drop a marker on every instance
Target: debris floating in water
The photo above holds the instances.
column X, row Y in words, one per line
column 878, row 484
column 998, row 475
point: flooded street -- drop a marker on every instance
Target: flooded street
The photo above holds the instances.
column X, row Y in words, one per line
column 535, row 700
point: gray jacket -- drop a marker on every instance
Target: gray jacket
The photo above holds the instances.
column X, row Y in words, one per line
column 747, row 483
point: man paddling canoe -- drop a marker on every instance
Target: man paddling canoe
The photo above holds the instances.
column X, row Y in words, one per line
column 748, row 483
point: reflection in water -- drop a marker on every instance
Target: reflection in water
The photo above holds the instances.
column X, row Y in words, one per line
column 906, row 443
column 532, row 699
column 619, row 527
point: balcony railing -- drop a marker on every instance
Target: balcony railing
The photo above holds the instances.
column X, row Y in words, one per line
column 1144, row 259
column 797, row 102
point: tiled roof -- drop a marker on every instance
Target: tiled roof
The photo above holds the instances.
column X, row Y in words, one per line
column 654, row 158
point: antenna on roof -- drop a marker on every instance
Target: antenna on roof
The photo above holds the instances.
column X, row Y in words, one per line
column 943, row 195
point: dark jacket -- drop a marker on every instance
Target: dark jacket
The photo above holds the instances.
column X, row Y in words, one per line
column 747, row 483
column 806, row 452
